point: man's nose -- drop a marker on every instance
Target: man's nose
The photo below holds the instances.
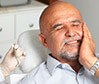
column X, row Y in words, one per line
column 70, row 32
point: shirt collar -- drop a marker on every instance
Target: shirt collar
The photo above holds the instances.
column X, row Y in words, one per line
column 52, row 64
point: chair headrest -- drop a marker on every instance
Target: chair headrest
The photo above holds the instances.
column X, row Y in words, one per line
column 35, row 51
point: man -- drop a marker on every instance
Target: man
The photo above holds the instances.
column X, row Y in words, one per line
column 12, row 59
column 72, row 58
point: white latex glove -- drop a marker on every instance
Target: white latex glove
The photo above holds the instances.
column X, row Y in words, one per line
column 13, row 58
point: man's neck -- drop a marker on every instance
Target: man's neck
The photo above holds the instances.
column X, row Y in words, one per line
column 76, row 66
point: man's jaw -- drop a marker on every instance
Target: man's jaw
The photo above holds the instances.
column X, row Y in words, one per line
column 70, row 49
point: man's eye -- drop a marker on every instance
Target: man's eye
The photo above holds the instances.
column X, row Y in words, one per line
column 75, row 25
column 57, row 26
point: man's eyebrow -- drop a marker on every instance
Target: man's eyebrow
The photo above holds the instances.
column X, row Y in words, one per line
column 75, row 21
column 56, row 25
column 59, row 24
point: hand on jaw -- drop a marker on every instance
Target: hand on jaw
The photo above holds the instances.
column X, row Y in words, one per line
column 87, row 50
column 12, row 59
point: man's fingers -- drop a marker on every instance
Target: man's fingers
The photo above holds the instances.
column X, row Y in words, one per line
column 88, row 38
column 86, row 31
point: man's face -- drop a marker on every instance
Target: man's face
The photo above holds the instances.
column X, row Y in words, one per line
column 64, row 34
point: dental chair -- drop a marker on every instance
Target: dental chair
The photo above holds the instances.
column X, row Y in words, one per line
column 35, row 54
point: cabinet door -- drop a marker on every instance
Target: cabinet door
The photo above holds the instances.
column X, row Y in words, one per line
column 6, row 28
column 6, row 33
column 26, row 21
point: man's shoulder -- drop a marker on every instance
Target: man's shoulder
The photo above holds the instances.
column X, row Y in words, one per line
column 39, row 70
column 37, row 74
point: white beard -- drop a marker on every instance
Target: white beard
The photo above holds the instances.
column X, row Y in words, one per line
column 68, row 56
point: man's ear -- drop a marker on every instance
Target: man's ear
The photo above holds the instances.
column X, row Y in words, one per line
column 43, row 40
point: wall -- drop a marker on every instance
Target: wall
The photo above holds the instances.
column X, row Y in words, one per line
column 90, row 12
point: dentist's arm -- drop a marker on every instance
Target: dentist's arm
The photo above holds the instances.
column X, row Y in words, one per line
column 12, row 59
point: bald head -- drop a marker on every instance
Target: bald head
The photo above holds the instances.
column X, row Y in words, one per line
column 54, row 11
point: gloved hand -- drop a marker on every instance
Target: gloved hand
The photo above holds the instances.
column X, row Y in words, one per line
column 12, row 59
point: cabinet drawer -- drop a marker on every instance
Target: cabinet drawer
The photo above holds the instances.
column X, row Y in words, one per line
column 6, row 27
column 27, row 20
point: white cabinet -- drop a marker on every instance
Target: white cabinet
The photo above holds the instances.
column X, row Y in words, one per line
column 6, row 27
column 6, row 32
column 15, row 20
column 27, row 20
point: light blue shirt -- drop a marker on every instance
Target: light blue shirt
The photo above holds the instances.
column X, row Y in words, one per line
column 53, row 72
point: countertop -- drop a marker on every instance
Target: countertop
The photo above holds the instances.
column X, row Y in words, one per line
column 31, row 5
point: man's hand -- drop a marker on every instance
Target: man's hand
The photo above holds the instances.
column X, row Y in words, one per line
column 87, row 50
column 12, row 59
